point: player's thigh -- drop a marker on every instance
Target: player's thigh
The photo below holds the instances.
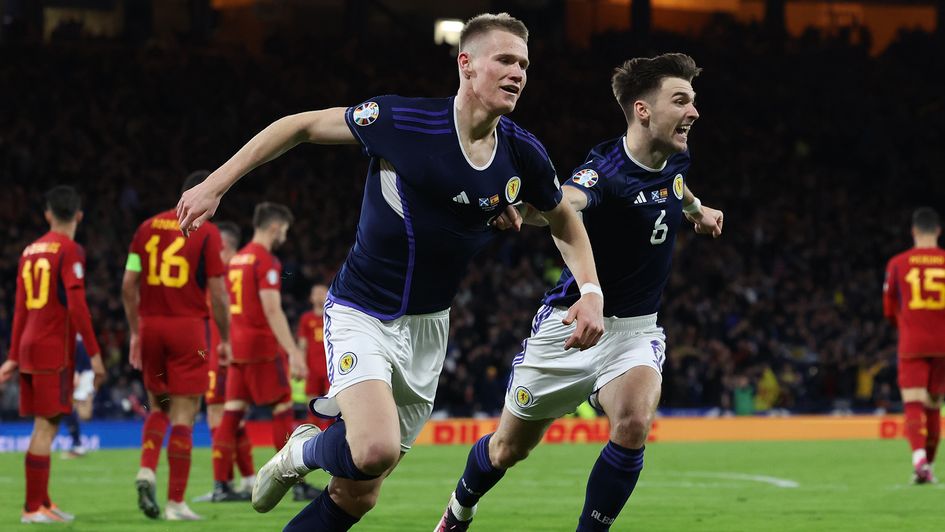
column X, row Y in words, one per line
column 46, row 395
column 634, row 394
column 914, row 379
column 547, row 380
column 371, row 418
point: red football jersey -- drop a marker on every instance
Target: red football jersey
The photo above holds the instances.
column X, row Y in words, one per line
column 914, row 300
column 174, row 269
column 311, row 327
column 50, row 306
column 252, row 269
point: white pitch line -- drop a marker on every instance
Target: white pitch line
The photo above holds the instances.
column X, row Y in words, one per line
column 774, row 481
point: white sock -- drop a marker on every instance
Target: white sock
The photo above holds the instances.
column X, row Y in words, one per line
column 918, row 455
column 295, row 455
column 461, row 512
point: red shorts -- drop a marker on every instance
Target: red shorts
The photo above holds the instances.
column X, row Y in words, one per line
column 46, row 394
column 260, row 383
column 216, row 392
column 174, row 355
column 923, row 372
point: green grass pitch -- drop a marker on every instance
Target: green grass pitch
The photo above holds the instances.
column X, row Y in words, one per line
column 782, row 486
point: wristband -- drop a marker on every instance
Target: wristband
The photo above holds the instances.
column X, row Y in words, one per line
column 591, row 288
column 694, row 207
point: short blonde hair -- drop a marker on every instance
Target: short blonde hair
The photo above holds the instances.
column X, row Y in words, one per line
column 486, row 22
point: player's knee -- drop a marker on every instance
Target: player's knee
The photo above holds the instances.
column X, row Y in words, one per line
column 374, row 458
column 631, row 430
column 505, row 454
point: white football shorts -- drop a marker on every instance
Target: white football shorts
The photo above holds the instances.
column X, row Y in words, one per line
column 85, row 385
column 407, row 353
column 548, row 381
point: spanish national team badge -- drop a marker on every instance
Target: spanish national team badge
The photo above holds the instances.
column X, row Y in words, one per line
column 512, row 188
column 365, row 114
column 523, row 397
column 678, row 186
column 586, row 177
column 346, row 363
column 272, row 276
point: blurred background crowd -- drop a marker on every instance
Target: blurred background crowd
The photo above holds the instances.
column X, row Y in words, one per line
column 816, row 149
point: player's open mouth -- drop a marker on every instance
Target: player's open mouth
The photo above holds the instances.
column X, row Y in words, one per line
column 511, row 89
column 683, row 130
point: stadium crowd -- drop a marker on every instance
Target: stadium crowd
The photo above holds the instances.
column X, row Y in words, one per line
column 816, row 151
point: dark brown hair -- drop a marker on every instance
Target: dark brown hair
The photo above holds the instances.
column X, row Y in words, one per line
column 268, row 212
column 639, row 76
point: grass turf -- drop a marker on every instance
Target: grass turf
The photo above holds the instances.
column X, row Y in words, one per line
column 780, row 486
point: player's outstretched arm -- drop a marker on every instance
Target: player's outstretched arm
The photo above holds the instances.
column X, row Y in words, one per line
column 575, row 247
column 524, row 213
column 707, row 221
column 326, row 126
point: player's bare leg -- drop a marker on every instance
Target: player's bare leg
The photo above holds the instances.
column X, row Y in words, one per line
column 917, row 404
column 39, row 508
column 363, row 446
column 630, row 403
column 183, row 411
column 152, row 438
column 488, row 460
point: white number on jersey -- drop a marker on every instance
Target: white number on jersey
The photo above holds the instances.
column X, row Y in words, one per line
column 660, row 230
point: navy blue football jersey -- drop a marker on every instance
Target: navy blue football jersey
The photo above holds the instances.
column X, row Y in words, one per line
column 632, row 215
column 426, row 207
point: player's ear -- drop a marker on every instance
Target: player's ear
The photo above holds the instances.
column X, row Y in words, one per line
column 465, row 68
column 641, row 111
column 78, row 216
column 47, row 214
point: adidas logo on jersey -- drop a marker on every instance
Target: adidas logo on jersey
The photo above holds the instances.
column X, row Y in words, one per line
column 640, row 199
column 461, row 198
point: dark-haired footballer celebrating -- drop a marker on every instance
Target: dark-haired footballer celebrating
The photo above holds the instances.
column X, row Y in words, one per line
column 632, row 193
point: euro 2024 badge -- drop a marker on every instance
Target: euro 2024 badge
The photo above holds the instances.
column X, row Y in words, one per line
column 365, row 114
column 586, row 177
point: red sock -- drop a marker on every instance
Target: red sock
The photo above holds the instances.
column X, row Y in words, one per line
column 282, row 426
column 933, row 432
column 152, row 437
column 913, row 426
column 244, row 453
column 178, row 460
column 37, row 481
column 225, row 444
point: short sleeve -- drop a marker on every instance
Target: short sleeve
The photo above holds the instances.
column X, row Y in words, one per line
column 541, row 186
column 269, row 274
column 212, row 252
column 73, row 266
column 587, row 179
column 371, row 122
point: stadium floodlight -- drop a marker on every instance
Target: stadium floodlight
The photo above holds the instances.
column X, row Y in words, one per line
column 447, row 30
